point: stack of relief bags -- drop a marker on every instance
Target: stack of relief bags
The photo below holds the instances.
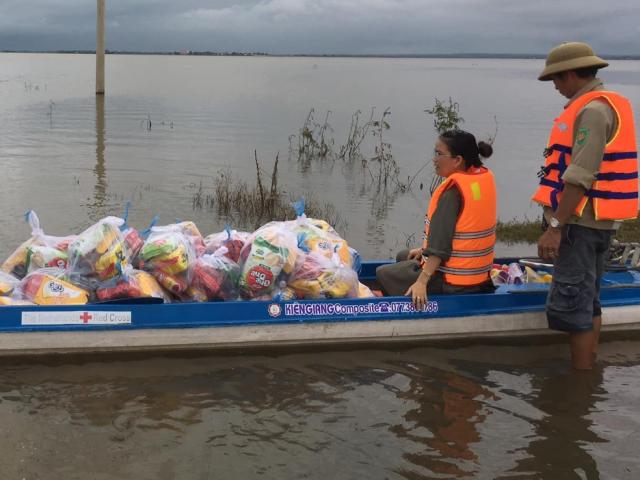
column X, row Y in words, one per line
column 300, row 259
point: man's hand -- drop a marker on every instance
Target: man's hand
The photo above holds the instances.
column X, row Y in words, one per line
column 414, row 254
column 549, row 244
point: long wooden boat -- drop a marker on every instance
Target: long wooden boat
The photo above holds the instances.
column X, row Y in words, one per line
column 511, row 311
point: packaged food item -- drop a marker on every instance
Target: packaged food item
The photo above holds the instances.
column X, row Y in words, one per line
column 511, row 274
column 18, row 263
column 268, row 257
column 131, row 283
column 318, row 236
column 168, row 254
column 231, row 239
column 216, row 276
column 42, row 256
column 98, row 249
column 532, row 276
column 49, row 286
column 316, row 277
column 8, row 283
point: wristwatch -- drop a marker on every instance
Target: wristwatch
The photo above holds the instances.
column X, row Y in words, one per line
column 554, row 222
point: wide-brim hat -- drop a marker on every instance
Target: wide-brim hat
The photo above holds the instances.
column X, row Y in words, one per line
column 570, row 56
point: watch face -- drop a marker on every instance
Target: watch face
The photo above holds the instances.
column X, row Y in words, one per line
column 553, row 221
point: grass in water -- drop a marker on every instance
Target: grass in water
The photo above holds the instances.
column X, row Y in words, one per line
column 248, row 206
column 528, row 231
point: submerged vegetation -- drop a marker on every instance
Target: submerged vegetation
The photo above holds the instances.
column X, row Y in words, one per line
column 366, row 149
column 248, row 206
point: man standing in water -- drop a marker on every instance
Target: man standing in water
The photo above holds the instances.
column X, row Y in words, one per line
column 588, row 185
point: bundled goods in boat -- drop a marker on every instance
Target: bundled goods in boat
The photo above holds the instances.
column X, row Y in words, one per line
column 99, row 249
column 317, row 276
column 267, row 259
column 39, row 251
column 191, row 232
column 232, row 240
column 315, row 235
column 169, row 255
column 130, row 283
column 50, row 286
column 514, row 274
column 215, row 277
column 303, row 258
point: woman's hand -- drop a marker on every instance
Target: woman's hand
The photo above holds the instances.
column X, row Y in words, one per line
column 418, row 292
column 415, row 254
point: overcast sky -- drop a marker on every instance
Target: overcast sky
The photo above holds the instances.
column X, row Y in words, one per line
column 325, row 26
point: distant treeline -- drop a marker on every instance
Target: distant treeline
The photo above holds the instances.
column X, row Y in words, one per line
column 336, row 55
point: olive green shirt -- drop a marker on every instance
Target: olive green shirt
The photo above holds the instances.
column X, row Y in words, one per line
column 599, row 122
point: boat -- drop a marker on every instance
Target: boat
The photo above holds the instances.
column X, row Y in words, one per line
column 142, row 324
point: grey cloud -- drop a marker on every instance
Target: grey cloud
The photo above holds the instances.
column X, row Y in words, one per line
column 324, row 26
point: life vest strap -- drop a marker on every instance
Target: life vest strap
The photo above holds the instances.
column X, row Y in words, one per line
column 472, row 253
column 473, row 235
column 465, row 271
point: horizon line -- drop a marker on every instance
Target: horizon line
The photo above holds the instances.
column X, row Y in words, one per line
column 487, row 55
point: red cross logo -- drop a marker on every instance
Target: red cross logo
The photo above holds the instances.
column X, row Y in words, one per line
column 85, row 317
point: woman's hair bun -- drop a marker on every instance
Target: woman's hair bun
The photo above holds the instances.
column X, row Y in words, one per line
column 485, row 149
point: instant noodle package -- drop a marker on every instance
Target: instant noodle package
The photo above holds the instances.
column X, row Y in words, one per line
column 268, row 258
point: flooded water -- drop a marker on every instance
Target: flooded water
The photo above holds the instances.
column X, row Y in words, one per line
column 73, row 158
column 484, row 411
column 416, row 413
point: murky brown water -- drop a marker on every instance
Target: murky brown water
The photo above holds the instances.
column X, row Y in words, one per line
column 468, row 412
column 413, row 413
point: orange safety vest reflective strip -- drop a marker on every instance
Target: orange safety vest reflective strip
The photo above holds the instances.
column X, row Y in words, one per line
column 475, row 232
column 614, row 193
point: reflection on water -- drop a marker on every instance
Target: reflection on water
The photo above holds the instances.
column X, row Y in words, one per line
column 475, row 412
column 97, row 208
column 563, row 437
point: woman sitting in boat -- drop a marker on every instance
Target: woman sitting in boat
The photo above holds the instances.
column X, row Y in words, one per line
column 459, row 234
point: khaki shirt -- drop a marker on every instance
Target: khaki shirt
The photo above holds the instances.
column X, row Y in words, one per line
column 598, row 119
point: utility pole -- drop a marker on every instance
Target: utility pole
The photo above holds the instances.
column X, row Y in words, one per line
column 100, row 48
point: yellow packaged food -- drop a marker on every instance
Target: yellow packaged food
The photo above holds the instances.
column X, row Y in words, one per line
column 45, row 289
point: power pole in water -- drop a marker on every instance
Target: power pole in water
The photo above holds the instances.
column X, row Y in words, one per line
column 100, row 48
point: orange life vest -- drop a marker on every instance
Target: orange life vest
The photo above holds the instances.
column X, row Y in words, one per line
column 615, row 191
column 475, row 233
